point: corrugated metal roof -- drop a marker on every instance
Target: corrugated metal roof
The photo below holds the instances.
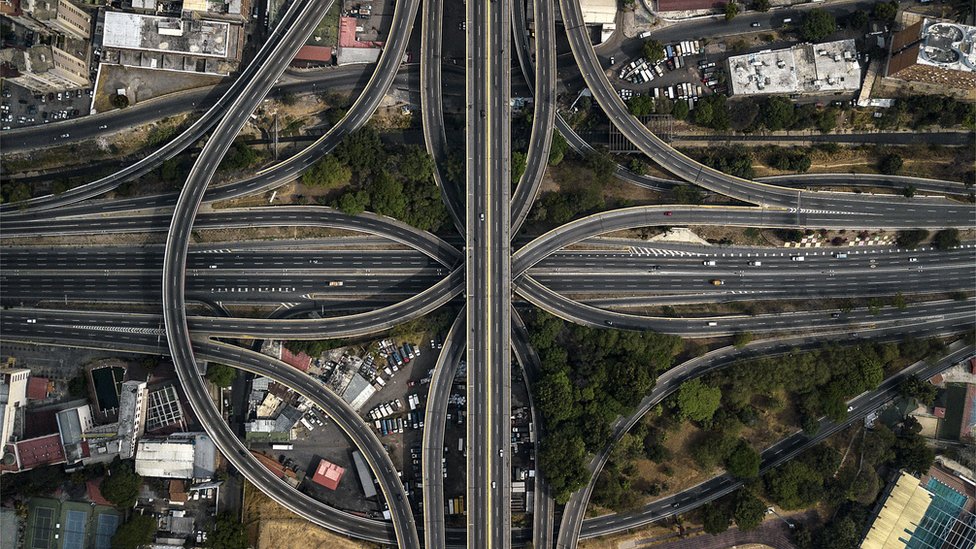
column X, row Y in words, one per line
column 903, row 509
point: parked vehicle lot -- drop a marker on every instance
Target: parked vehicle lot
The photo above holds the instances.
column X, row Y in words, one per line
column 20, row 107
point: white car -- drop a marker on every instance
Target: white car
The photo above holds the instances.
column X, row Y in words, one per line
column 65, row 135
column 709, row 263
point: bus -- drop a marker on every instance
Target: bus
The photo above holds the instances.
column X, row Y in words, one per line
column 282, row 447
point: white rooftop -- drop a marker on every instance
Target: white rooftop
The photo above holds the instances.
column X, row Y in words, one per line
column 804, row 68
column 135, row 31
column 183, row 455
column 948, row 45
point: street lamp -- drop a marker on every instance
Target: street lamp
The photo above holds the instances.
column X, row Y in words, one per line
column 773, row 511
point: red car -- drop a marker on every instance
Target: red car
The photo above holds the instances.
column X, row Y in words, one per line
column 667, row 213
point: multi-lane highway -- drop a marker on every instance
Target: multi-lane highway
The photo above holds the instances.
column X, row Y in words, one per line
column 381, row 288
column 487, row 270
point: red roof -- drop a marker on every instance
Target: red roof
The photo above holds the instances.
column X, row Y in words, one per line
column 328, row 474
column 314, row 53
column 300, row 361
column 37, row 388
column 40, row 451
column 347, row 35
column 688, row 5
column 95, row 492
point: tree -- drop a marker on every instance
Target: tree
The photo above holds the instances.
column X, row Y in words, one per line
column 640, row 105
column 362, row 150
column 680, row 110
column 794, row 485
column 749, row 511
column 562, row 456
column 653, row 51
column 909, row 191
column 744, row 461
column 121, row 485
column 731, row 10
column 946, row 238
column 18, row 192
column 777, row 113
column 137, row 531
column 554, row 396
column 328, row 173
column 599, row 162
column 239, row 157
column 558, row 149
column 119, row 101
column 353, row 203
column 919, row 389
column 890, row 164
column 716, row 517
column 886, row 11
column 654, row 448
column 817, row 25
column 220, row 375
column 518, row 160
column 416, row 164
column 687, row 194
column 911, row 238
column 741, row 339
column 858, row 20
column 227, row 533
column 698, row 401
column 761, row 5
column 912, row 454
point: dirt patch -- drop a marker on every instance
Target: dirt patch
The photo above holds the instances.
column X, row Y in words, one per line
column 270, row 525
column 145, row 84
column 633, row 538
column 267, row 233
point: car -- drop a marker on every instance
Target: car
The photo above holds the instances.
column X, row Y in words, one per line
column 712, row 324
column 755, row 24
column 716, row 282
column 462, row 26
column 709, row 263
column 32, row 321
column 50, row 96
column 494, row 484
column 60, row 96
column 668, row 213
column 103, row 127
column 482, row 113
column 798, row 258
column 501, row 452
column 850, row 408
column 608, row 322
column 913, row 260
column 482, row 216
column 835, row 315
column 755, row 263
column 65, row 135
column 612, row 60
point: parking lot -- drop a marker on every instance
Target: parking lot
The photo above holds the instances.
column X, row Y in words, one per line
column 20, row 107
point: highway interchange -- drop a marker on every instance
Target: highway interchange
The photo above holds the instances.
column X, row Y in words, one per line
column 383, row 287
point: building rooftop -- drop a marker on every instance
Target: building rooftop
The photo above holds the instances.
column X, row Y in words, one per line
column 364, row 474
column 358, row 391
column 947, row 45
column 805, row 68
column 328, row 474
column 37, row 388
column 39, row 451
column 183, row 455
column 165, row 34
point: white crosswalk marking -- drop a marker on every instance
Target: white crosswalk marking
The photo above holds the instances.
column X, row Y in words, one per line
column 636, row 250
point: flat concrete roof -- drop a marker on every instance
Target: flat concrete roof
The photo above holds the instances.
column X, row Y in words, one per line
column 948, row 46
column 804, row 68
column 135, row 31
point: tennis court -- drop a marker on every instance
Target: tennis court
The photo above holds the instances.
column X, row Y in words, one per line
column 75, row 524
column 105, row 528
column 42, row 529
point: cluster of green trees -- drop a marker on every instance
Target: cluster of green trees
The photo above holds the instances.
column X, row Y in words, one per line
column 121, row 484
column 393, row 181
column 772, row 113
column 820, row 381
column 590, row 377
column 817, row 25
column 239, row 157
column 220, row 375
column 943, row 240
column 139, row 530
column 794, row 160
column 928, row 110
column 582, row 195
column 742, row 506
column 734, row 160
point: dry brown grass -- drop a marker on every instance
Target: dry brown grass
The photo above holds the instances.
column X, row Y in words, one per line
column 270, row 525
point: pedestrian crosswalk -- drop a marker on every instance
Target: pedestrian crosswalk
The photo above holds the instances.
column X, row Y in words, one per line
column 639, row 250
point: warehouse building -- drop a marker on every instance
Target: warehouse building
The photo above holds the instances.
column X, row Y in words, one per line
column 827, row 69
column 365, row 477
column 181, row 455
